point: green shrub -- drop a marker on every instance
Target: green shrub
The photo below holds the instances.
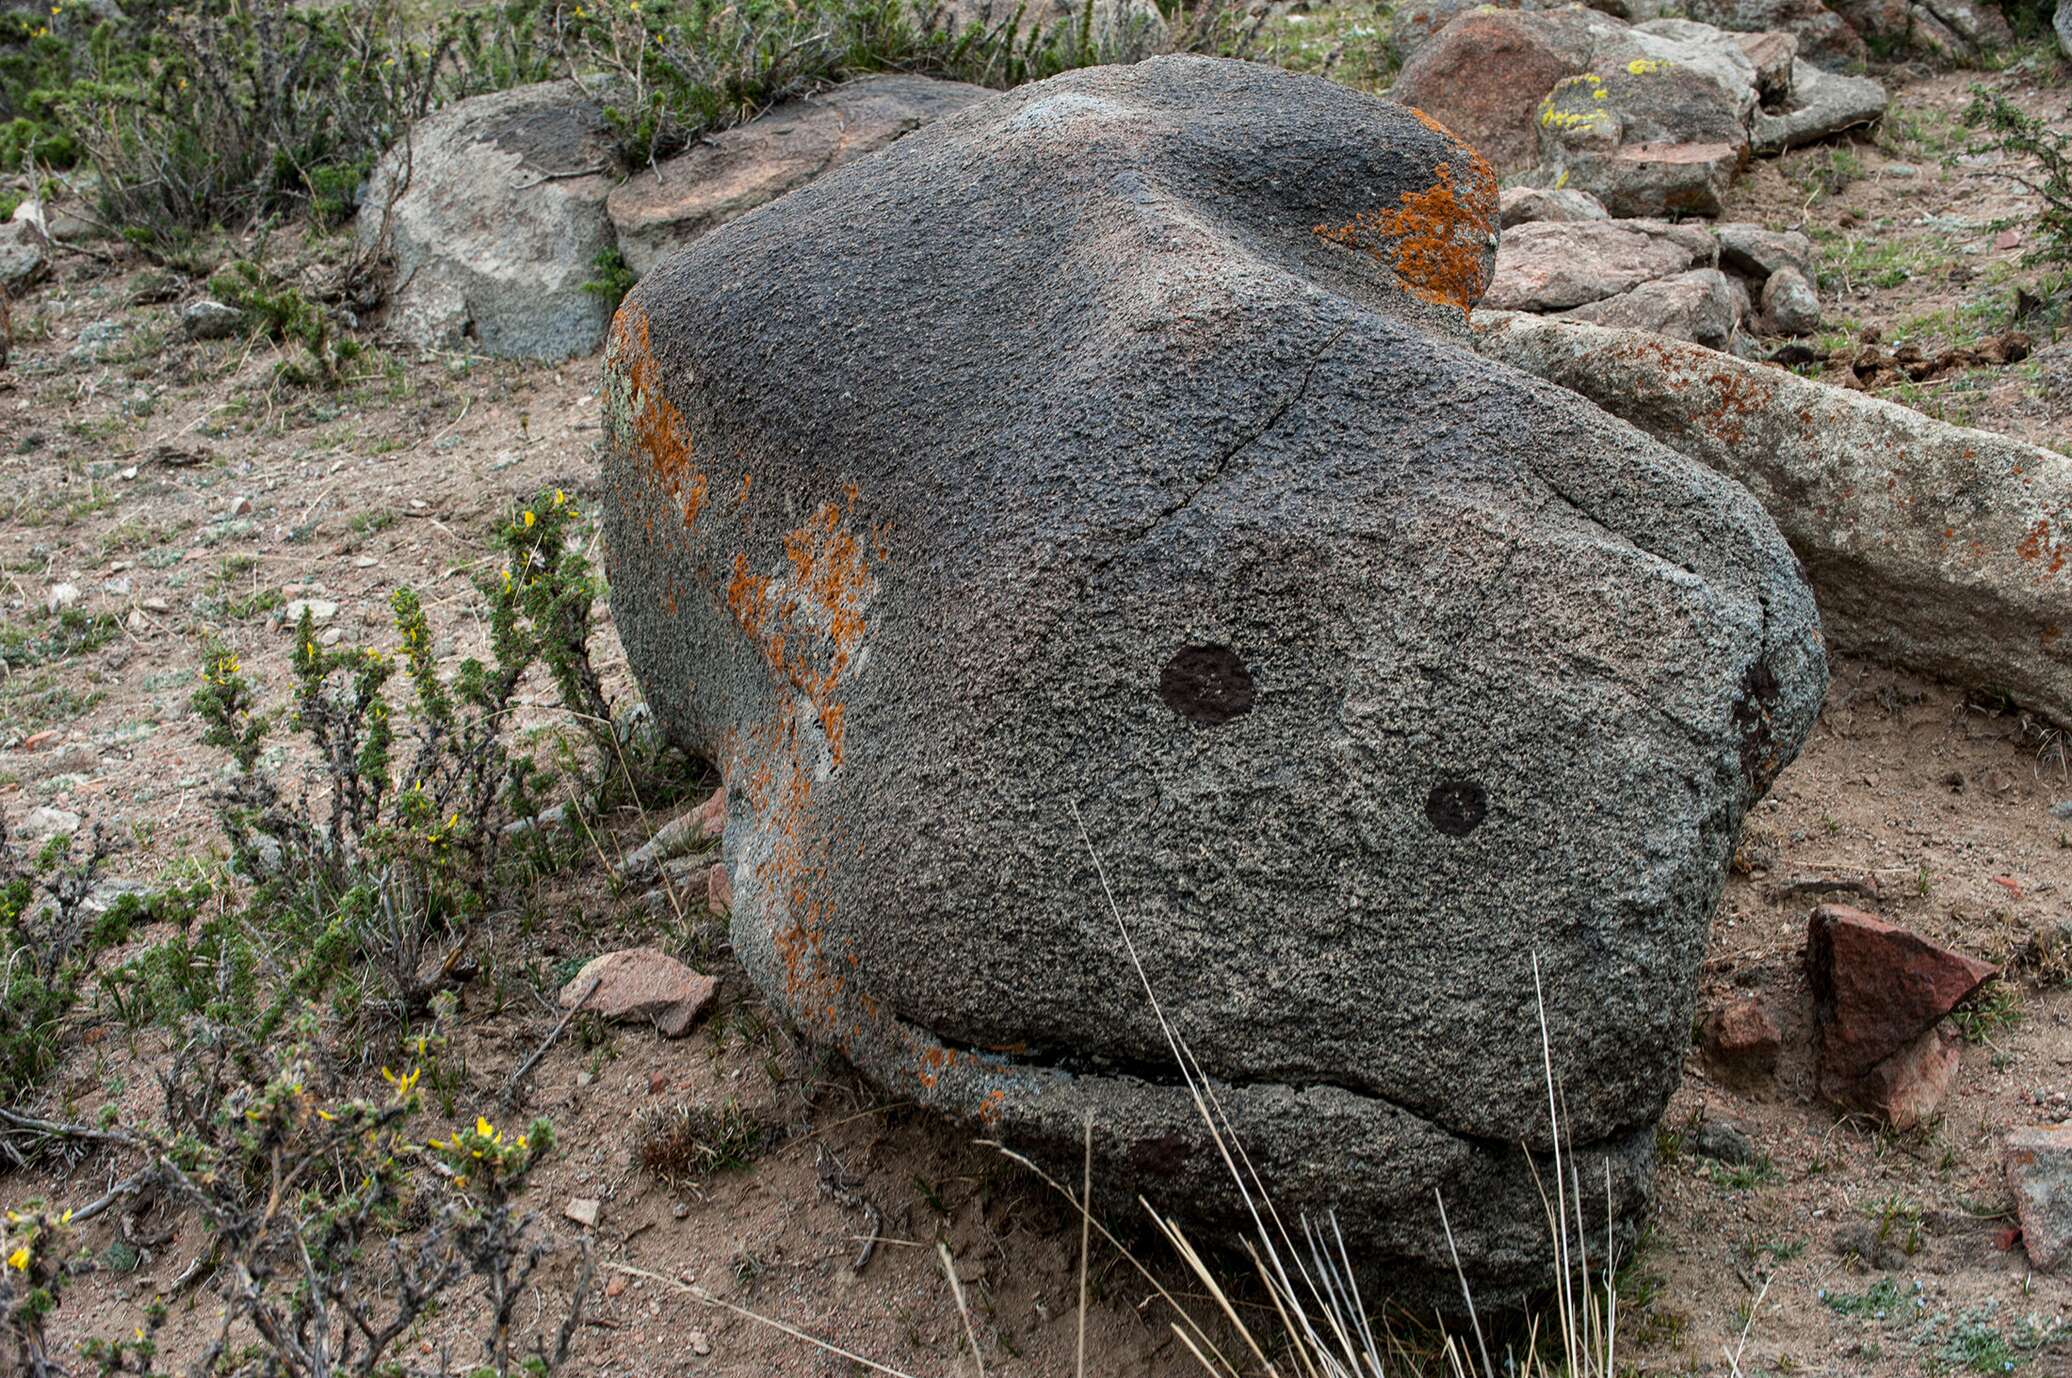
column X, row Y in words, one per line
column 2044, row 157
column 281, row 312
column 614, row 277
column 682, row 68
column 54, row 936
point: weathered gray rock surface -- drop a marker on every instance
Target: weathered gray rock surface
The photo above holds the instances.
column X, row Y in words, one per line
column 1681, row 280
column 1702, row 306
column 1555, row 265
column 497, row 222
column 1823, row 103
column 24, row 246
column 1934, row 547
column 1790, row 305
column 1823, row 36
column 1158, row 479
column 660, row 209
column 1523, row 205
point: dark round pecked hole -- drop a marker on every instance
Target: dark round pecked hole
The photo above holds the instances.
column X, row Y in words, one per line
column 1456, row 806
column 1207, row 685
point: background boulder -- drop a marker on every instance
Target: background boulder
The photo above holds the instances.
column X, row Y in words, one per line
column 494, row 211
column 662, row 208
column 1933, row 547
column 1116, row 450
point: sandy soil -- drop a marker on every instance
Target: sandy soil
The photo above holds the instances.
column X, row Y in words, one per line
column 183, row 489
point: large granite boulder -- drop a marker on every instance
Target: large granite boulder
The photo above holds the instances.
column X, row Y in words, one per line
column 1933, row 547
column 494, row 210
column 1116, row 449
column 1651, row 118
column 662, row 208
column 1484, row 74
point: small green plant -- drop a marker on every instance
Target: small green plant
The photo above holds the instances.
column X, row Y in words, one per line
column 1898, row 1222
column 1882, row 1300
column 614, row 278
column 306, row 1197
column 1997, row 1007
column 281, row 312
column 1758, row 1171
column 70, row 632
column 35, row 1269
column 54, row 935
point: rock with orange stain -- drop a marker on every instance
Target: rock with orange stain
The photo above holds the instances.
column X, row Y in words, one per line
column 1116, row 450
column 1933, row 547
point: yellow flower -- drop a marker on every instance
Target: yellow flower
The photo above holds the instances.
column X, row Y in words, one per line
column 528, row 519
column 559, row 496
column 19, row 1259
column 460, row 1180
column 484, row 1128
column 324, row 1114
column 65, row 1219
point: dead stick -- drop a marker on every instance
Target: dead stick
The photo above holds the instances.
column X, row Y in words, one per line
column 510, row 1097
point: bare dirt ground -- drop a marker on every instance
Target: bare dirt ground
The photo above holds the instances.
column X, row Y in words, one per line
column 184, row 490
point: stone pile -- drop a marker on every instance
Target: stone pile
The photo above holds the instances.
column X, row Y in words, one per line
column 1651, row 119
column 1562, row 255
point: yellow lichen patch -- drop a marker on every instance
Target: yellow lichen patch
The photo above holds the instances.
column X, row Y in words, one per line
column 1437, row 239
column 1550, row 118
column 1647, row 66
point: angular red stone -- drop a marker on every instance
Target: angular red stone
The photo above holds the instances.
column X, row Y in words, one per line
column 1878, row 987
column 1907, row 1088
column 642, row 983
column 1741, row 1040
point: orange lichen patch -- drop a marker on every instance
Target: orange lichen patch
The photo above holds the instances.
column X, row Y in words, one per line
column 694, row 500
column 1741, row 399
column 2039, row 545
column 2051, row 632
column 659, row 429
column 1437, row 240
